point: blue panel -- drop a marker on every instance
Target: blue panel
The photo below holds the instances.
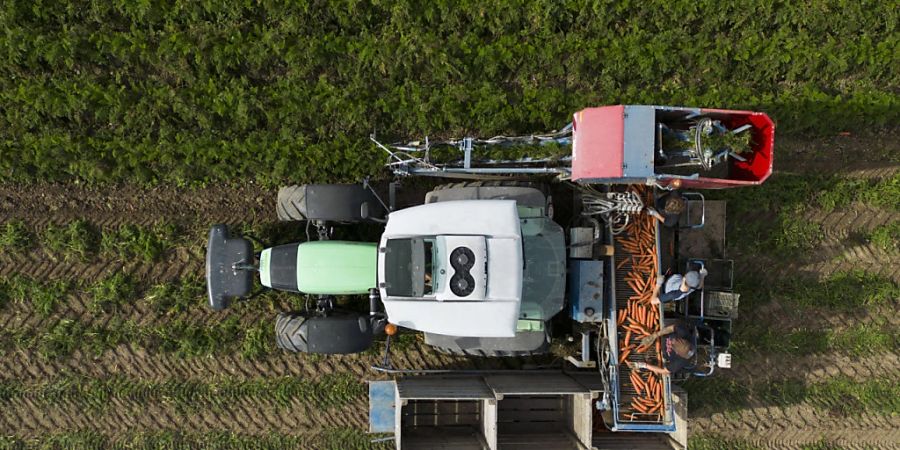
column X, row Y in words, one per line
column 586, row 290
column 639, row 139
column 381, row 406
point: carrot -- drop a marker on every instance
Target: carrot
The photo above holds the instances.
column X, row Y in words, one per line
column 639, row 407
column 636, row 382
column 633, row 285
column 640, row 381
column 624, row 355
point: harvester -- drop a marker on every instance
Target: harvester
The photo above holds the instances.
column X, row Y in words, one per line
column 536, row 239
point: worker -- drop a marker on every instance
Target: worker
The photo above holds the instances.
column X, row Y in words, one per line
column 678, row 287
column 677, row 349
column 668, row 209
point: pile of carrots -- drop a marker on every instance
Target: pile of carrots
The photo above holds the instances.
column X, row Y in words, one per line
column 639, row 318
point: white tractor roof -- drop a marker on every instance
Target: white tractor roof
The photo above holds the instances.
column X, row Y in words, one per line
column 492, row 229
column 495, row 218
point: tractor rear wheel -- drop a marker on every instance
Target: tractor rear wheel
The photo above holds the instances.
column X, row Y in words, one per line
column 525, row 193
column 525, row 343
column 328, row 202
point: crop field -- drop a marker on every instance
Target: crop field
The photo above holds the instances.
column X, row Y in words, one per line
column 128, row 128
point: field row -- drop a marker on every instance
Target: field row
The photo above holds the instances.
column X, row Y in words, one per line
column 330, row 439
column 98, row 394
column 789, row 203
column 83, row 241
column 786, row 199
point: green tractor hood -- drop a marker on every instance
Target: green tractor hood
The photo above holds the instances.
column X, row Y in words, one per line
column 320, row 267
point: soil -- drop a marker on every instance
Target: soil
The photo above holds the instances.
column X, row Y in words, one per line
column 767, row 426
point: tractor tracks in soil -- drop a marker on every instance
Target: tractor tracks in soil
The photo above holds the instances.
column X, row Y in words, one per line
column 178, row 262
column 788, row 429
column 799, row 425
column 41, row 203
column 145, row 364
column 28, row 418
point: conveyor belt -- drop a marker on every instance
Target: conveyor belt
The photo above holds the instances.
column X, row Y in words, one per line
column 625, row 391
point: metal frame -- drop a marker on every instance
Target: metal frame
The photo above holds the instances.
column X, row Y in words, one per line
column 667, row 424
column 698, row 197
column 414, row 158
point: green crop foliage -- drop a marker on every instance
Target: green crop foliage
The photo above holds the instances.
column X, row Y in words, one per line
column 132, row 241
column 859, row 339
column 849, row 397
column 887, row 236
column 884, row 193
column 111, row 292
column 181, row 338
column 772, row 216
column 188, row 339
column 176, row 297
column 711, row 441
column 42, row 296
column 842, row 290
column 258, row 341
column 865, row 339
column 200, row 92
column 839, row 395
column 77, row 239
column 14, row 236
column 61, row 340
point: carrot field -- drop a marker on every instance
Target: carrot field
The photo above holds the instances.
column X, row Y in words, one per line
column 127, row 128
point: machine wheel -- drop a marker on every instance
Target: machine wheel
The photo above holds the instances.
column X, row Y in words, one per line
column 526, row 343
column 335, row 334
column 290, row 199
column 526, row 193
column 328, row 202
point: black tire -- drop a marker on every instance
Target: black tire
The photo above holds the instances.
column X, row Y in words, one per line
column 287, row 333
column 547, row 203
column 334, row 334
column 289, row 200
column 487, row 354
column 528, row 343
column 342, row 203
column 498, row 183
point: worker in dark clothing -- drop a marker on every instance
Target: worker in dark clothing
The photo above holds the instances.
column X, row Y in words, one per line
column 668, row 209
column 678, row 287
column 677, row 349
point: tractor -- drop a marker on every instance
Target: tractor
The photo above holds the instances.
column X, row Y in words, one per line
column 521, row 248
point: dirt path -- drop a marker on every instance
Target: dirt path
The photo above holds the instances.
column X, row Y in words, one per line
column 40, row 204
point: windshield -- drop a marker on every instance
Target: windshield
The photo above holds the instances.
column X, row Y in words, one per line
column 408, row 265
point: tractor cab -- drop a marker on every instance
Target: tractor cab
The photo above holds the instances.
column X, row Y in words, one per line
column 462, row 277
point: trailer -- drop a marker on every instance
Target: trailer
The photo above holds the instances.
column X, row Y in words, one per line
column 527, row 409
